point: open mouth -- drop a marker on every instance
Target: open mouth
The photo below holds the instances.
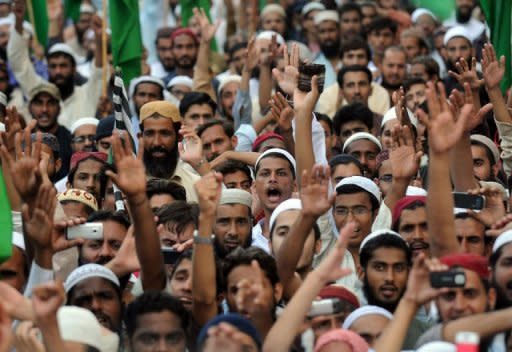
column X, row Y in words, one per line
column 274, row 195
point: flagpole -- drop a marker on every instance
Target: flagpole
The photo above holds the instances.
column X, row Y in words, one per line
column 104, row 50
column 30, row 9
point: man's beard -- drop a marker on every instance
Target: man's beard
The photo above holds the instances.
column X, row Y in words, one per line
column 185, row 64
column 330, row 49
column 502, row 301
column 222, row 252
column 66, row 86
column 161, row 167
column 373, row 300
column 463, row 17
column 390, row 86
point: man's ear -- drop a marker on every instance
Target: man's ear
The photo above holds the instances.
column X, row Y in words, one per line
column 58, row 165
column 278, row 291
column 360, row 273
column 234, row 142
column 495, row 170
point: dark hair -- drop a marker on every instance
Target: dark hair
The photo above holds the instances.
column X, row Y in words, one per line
column 245, row 256
column 164, row 32
column 353, row 68
column 72, row 172
column 409, row 82
column 232, row 166
column 156, row 186
column 355, row 43
column 275, row 155
column 431, row 65
column 179, row 213
column 106, row 215
column 344, row 159
column 154, row 302
column 104, row 179
column 227, row 126
column 387, row 241
column 326, row 119
column 413, row 206
column 353, row 112
column 395, row 48
column 234, row 48
column 196, row 98
column 350, row 7
column 380, row 23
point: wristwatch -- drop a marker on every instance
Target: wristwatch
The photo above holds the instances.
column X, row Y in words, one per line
column 202, row 240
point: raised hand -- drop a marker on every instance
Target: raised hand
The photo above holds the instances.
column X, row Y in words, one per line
column 126, row 260
column 494, row 208
column 288, row 79
column 457, row 100
column 27, row 338
column 418, row 288
column 267, row 57
column 5, row 330
column 46, row 300
column 444, row 130
column 282, row 112
column 405, row 161
column 208, row 30
column 305, row 102
column 12, row 126
column 250, row 297
column 467, row 74
column 131, row 173
column 208, row 189
column 400, row 107
column 59, row 240
column 314, row 192
column 225, row 337
column 493, row 69
column 38, row 225
column 252, row 55
column 15, row 305
column 191, row 150
column 500, row 226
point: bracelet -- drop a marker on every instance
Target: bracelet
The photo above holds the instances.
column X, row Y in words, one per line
column 203, row 240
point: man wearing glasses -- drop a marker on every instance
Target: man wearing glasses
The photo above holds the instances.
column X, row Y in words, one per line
column 83, row 133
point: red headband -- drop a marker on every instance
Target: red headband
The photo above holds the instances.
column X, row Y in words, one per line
column 339, row 292
column 265, row 136
column 184, row 31
column 80, row 156
column 404, row 203
column 473, row 262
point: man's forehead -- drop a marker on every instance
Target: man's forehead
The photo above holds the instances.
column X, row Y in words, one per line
column 388, row 255
column 92, row 285
column 287, row 218
column 356, row 198
column 232, row 210
column 362, row 145
column 273, row 162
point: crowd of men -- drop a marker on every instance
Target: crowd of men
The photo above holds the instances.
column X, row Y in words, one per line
column 251, row 215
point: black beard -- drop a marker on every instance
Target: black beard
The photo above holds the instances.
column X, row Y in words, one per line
column 163, row 167
column 330, row 50
column 389, row 86
column 463, row 17
column 187, row 66
column 502, row 301
column 66, row 88
column 374, row 301
column 221, row 251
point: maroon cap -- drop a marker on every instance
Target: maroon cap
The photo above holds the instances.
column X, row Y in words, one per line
column 340, row 292
column 80, row 156
column 473, row 262
column 264, row 137
column 404, row 203
column 184, row 31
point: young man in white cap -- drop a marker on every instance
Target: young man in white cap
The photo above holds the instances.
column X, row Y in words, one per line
column 364, row 147
column 458, row 45
column 143, row 89
column 368, row 322
column 463, row 17
column 76, row 43
column 179, row 86
column 77, row 101
column 273, row 18
column 486, row 158
column 227, row 90
column 83, row 132
column 327, row 24
column 501, row 275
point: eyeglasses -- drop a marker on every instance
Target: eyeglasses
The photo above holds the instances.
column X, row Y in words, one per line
column 82, row 139
column 358, row 210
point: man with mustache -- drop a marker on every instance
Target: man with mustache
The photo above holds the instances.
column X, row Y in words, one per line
column 77, row 101
column 83, row 132
column 185, row 47
column 217, row 137
column 233, row 221
column 142, row 90
column 327, row 24
column 160, row 122
column 364, row 147
column 410, row 221
column 501, row 278
column 462, row 17
column 86, row 168
column 393, row 69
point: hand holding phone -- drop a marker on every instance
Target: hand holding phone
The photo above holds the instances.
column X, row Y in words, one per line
column 450, row 278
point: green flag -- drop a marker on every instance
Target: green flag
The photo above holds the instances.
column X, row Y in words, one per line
column 72, row 9
column 187, row 7
column 442, row 9
column 126, row 37
column 37, row 14
column 5, row 222
column 498, row 16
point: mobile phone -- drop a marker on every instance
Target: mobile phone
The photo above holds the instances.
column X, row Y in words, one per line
column 468, row 201
column 467, row 341
column 89, row 231
column 450, row 278
column 324, row 307
column 170, row 255
column 306, row 73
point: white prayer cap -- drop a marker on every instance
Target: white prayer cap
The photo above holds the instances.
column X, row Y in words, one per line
column 87, row 8
column 80, row 325
column 326, row 15
column 283, row 152
column 144, row 79
column 501, row 240
column 437, row 346
column 391, row 115
column 84, row 121
column 235, row 196
column 312, row 6
column 18, row 240
column 268, row 36
column 3, row 99
column 62, row 48
column 228, row 79
column 364, row 311
column 376, row 234
column 489, row 144
column 183, row 80
column 454, row 32
column 364, row 183
column 420, row 12
column 270, row 8
column 88, row 271
column 415, row 191
column 289, row 204
column 361, row 135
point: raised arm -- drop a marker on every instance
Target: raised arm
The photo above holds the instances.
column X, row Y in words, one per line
column 282, row 334
column 204, row 282
column 444, row 131
column 131, row 180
